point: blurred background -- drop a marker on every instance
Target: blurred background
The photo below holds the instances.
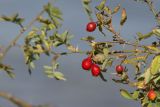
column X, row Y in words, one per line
column 80, row 89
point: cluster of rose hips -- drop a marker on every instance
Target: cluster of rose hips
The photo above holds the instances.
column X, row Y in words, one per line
column 87, row 64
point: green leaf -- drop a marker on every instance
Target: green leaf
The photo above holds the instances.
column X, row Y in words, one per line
column 145, row 36
column 155, row 65
column 157, row 104
column 88, row 38
column 101, row 5
column 59, row 76
column 50, row 75
column 8, row 69
column 32, row 65
column 13, row 18
column 105, row 51
column 57, row 43
column 11, row 74
column 54, row 13
column 145, row 101
column 135, row 95
column 147, row 75
column 150, row 105
column 47, row 67
column 87, row 8
column 49, row 72
column 126, row 94
column 104, row 64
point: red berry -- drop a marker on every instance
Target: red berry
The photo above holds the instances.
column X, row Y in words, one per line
column 95, row 69
column 119, row 69
column 91, row 26
column 151, row 95
column 87, row 63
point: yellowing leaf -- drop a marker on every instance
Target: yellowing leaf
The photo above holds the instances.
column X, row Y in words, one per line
column 100, row 18
column 72, row 48
column 156, row 32
column 153, row 48
column 125, row 94
column 132, row 60
column 123, row 17
column 155, row 65
column 116, row 9
column 107, row 10
column 139, row 84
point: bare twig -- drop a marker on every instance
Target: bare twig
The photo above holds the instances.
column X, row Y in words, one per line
column 150, row 4
column 17, row 101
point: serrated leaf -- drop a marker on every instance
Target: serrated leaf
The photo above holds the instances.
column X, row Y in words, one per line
column 135, row 95
column 48, row 72
column 72, row 48
column 32, row 65
column 59, row 76
column 11, row 74
column 145, row 101
column 87, row 8
column 153, row 48
column 107, row 10
column 88, row 38
column 145, row 36
column 147, row 76
column 150, row 105
column 8, row 69
column 50, row 75
column 126, row 94
column 105, row 51
column 54, row 13
column 155, row 65
column 123, row 17
column 101, row 5
column 57, row 43
column 13, row 18
column 156, row 32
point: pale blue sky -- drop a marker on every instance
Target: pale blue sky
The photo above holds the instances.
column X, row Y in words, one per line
column 81, row 89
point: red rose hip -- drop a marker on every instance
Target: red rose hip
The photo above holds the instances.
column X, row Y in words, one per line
column 151, row 95
column 119, row 69
column 95, row 69
column 91, row 26
column 87, row 63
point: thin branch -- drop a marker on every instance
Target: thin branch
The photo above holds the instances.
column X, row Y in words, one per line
column 17, row 101
column 20, row 34
column 150, row 4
